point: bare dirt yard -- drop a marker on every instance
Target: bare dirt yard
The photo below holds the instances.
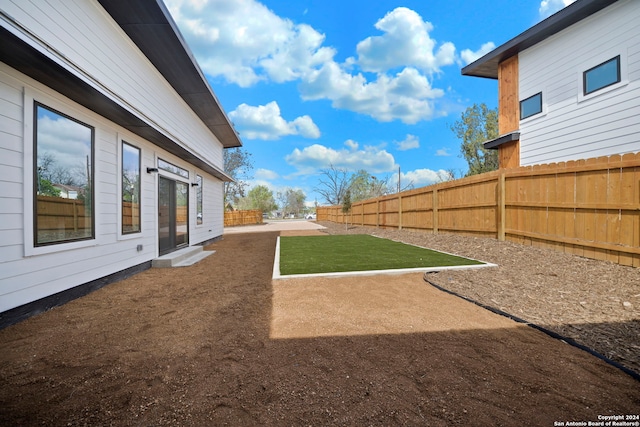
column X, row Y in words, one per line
column 595, row 303
column 219, row 343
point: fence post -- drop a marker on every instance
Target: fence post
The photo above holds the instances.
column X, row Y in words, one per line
column 399, row 212
column 435, row 210
column 377, row 213
column 501, row 207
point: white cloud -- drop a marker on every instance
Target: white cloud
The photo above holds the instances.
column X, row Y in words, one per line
column 67, row 143
column 421, row 177
column 252, row 183
column 351, row 144
column 245, row 42
column 468, row 56
column 549, row 7
column 408, row 96
column 266, row 122
column 316, row 156
column 265, row 174
column 405, row 42
column 443, row 152
column 409, row 143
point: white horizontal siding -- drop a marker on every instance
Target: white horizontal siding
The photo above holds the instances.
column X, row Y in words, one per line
column 11, row 170
column 213, row 218
column 27, row 278
column 575, row 127
column 85, row 34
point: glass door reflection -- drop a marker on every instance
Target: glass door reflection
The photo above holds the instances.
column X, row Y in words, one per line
column 173, row 214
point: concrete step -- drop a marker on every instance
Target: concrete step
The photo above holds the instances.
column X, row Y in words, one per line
column 181, row 257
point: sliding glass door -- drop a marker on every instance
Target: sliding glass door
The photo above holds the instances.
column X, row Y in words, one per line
column 173, row 214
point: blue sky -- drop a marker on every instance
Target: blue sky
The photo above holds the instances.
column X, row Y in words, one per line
column 371, row 85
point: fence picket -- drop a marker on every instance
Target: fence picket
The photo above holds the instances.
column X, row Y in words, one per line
column 587, row 207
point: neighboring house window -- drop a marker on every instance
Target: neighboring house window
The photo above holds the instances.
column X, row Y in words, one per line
column 130, row 189
column 198, row 200
column 601, row 76
column 63, row 159
column 531, row 106
column 170, row 167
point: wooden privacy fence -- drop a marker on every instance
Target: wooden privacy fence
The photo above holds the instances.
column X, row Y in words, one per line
column 588, row 207
column 56, row 213
column 232, row 218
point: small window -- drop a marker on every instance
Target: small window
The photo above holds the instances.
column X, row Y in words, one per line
column 170, row 167
column 199, row 200
column 130, row 189
column 531, row 106
column 601, row 76
column 63, row 178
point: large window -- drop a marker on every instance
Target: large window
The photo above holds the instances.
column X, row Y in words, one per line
column 198, row 200
column 601, row 76
column 63, row 178
column 531, row 106
column 130, row 189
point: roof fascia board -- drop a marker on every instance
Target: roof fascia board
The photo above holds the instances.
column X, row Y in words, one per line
column 487, row 66
column 150, row 26
column 23, row 51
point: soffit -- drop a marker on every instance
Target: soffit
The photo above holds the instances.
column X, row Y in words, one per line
column 150, row 26
column 35, row 64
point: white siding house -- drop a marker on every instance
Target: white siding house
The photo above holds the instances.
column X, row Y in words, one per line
column 578, row 81
column 105, row 96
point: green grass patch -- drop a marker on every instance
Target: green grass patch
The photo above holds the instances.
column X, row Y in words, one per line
column 357, row 252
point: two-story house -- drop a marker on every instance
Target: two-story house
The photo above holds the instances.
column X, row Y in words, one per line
column 568, row 87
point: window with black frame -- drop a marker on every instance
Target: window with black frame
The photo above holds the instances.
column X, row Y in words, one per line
column 130, row 189
column 63, row 178
column 199, row 218
column 531, row 106
column 602, row 75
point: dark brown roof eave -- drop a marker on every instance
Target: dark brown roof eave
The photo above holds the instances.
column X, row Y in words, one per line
column 150, row 26
column 33, row 63
column 487, row 66
column 493, row 144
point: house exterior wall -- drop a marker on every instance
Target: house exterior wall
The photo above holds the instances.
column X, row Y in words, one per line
column 87, row 36
column 573, row 126
column 27, row 274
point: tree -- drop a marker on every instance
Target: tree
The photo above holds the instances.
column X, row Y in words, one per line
column 238, row 165
column 295, row 200
column 333, row 184
column 260, row 198
column 477, row 125
column 346, row 207
column 292, row 201
column 364, row 186
column 45, row 188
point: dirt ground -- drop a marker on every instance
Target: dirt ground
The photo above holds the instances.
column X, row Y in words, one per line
column 219, row 343
column 595, row 303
